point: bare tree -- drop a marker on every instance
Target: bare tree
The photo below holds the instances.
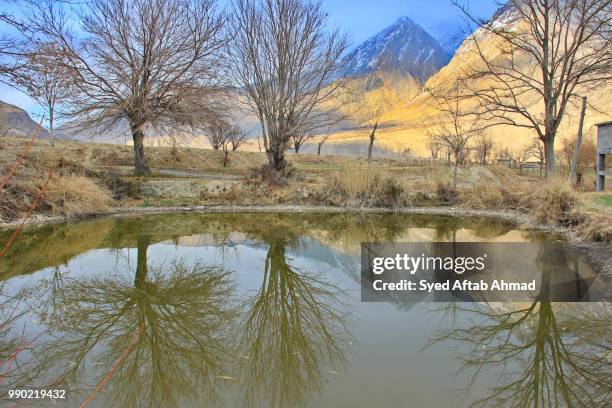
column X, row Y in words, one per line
column 217, row 135
column 585, row 157
column 322, row 141
column 550, row 51
column 455, row 127
column 537, row 150
column 434, row 148
column 484, row 147
column 299, row 138
column 286, row 59
column 520, row 156
column 225, row 137
column 237, row 138
column 371, row 103
column 45, row 81
column 151, row 63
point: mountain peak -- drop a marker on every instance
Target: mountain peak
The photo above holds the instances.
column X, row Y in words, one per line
column 403, row 47
column 404, row 20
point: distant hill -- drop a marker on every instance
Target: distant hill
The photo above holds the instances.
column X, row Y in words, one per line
column 16, row 122
column 403, row 48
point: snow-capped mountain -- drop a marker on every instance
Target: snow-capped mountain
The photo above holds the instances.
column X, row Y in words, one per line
column 450, row 33
column 404, row 47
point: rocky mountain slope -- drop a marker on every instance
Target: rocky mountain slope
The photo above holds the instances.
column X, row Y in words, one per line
column 402, row 48
column 450, row 33
column 410, row 119
column 16, row 122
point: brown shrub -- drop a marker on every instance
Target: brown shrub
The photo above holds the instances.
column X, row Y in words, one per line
column 550, row 202
column 357, row 187
column 494, row 195
column 445, row 193
column 77, row 196
column 554, row 202
column 597, row 228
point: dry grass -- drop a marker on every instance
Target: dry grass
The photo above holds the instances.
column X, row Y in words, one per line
column 552, row 202
column 597, row 227
column 555, row 203
column 77, row 196
column 330, row 180
column 363, row 187
column 486, row 195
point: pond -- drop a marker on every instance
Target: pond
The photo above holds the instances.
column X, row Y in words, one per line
column 264, row 310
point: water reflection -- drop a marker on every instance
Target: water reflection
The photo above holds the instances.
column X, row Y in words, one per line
column 165, row 332
column 294, row 333
column 268, row 319
column 543, row 354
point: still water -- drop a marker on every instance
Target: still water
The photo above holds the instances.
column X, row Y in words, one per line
column 264, row 310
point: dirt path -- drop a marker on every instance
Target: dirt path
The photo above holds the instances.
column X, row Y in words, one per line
column 197, row 175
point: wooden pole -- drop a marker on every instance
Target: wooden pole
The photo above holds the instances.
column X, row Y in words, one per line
column 572, row 175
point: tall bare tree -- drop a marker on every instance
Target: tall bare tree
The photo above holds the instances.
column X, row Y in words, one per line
column 44, row 80
column 371, row 102
column 154, row 64
column 550, row 51
column 286, row 58
column 455, row 127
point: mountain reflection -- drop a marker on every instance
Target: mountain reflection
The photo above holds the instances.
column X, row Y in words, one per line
column 545, row 354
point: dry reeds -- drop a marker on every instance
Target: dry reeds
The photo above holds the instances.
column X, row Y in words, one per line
column 550, row 202
column 361, row 187
column 75, row 196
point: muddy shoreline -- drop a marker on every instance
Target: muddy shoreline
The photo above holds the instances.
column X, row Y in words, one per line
column 600, row 253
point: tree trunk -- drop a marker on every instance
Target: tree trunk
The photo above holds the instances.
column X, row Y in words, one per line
column 572, row 175
column 296, row 147
column 225, row 156
column 372, row 138
column 276, row 157
column 140, row 162
column 319, row 148
column 455, row 173
column 142, row 269
column 549, row 153
column 51, row 118
column 541, row 166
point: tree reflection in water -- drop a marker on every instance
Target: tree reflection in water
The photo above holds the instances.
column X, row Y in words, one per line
column 546, row 354
column 168, row 328
column 295, row 333
column 166, row 336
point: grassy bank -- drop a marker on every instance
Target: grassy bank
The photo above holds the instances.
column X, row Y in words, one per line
column 90, row 178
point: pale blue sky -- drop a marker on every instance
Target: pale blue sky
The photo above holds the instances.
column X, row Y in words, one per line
column 359, row 18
